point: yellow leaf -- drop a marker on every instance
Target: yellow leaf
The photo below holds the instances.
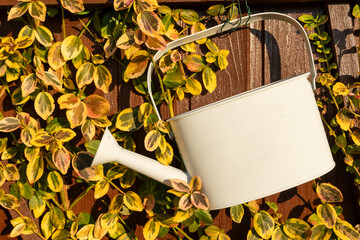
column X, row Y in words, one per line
column 44, row 36
column 18, row 10
column 345, row 230
column 126, row 40
column 133, row 202
column 327, row 214
column 37, row 205
column 102, row 78
column 127, row 120
column 264, row 224
column 71, row 47
column 28, row 85
column 343, row 121
column 198, row 27
column 23, row 42
column 137, row 65
column 209, row 79
column 35, row 169
column 27, row 31
column 320, row 232
column 57, row 218
column 55, row 181
column 190, row 17
column 167, row 157
column 37, row 10
column 152, row 140
column 297, row 229
column 85, row 74
column 340, row 89
column 193, row 86
column 50, row 79
column 101, row 188
column 97, row 106
column 46, row 226
column 11, row 172
column 17, row 230
column 151, row 229
column 44, row 105
column 190, row 47
column 64, row 135
column 77, row 116
column 116, row 203
column 155, row 42
column 149, row 22
column 8, row 201
column 68, row 101
column 355, row 136
column 74, row 6
column 144, row 111
column 84, row 232
column 55, row 59
column 41, row 139
column 9, row 124
column 61, row 159
column 88, row 130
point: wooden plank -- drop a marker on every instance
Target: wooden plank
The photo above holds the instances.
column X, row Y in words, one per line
column 7, row 3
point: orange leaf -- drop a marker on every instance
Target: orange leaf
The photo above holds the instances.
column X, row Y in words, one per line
column 97, row 106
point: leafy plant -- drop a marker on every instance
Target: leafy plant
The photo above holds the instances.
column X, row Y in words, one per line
column 56, row 88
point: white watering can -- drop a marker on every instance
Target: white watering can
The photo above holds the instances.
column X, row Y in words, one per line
column 245, row 147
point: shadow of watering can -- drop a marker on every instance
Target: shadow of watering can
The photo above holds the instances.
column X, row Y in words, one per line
column 245, row 147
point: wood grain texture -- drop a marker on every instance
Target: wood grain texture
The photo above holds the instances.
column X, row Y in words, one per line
column 264, row 52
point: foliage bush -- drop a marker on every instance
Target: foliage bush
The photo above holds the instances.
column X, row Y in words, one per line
column 51, row 85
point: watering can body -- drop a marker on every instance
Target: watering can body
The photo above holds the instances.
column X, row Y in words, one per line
column 247, row 146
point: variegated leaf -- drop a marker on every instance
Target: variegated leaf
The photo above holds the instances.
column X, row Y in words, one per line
column 44, row 36
column 97, row 106
column 44, row 105
column 149, row 22
column 35, row 169
column 37, row 10
column 77, row 116
column 133, row 202
column 28, row 85
column 18, row 10
column 74, row 6
column 64, row 135
column 68, row 101
column 85, row 74
column 151, row 229
column 9, row 124
column 55, row 59
column 71, row 47
column 61, row 159
column 102, row 78
column 101, row 188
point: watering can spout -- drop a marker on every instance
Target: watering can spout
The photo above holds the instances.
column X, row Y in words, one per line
column 110, row 151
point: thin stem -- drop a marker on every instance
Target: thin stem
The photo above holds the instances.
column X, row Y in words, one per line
column 56, row 203
column 27, row 62
column 183, row 233
column 86, row 28
column 128, row 228
column 114, row 185
column 63, row 21
column 80, row 197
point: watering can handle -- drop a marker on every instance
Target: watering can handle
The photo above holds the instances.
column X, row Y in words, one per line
column 226, row 27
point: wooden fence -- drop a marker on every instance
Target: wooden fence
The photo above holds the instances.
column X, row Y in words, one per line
column 264, row 52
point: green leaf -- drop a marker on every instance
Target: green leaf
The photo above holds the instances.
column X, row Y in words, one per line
column 264, row 224
column 345, row 230
column 297, row 229
column 329, row 193
column 101, row 188
column 18, row 10
column 92, row 146
column 57, row 218
column 44, row 105
column 9, row 124
column 151, row 229
column 341, row 141
column 127, row 120
column 102, row 78
column 74, row 6
column 35, row 169
column 55, row 181
column 174, row 79
column 237, row 213
column 133, row 202
column 44, row 36
column 209, row 79
column 327, row 214
column 320, row 232
column 37, row 10
column 71, row 47
column 204, row 216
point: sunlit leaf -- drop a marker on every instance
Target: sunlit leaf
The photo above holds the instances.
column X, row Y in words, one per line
column 23, row 42
column 127, row 120
column 60, row 234
column 327, row 214
column 9, row 153
column 340, row 89
column 28, row 85
column 198, row 27
column 108, row 220
column 221, row 60
column 121, row 4
column 55, row 59
column 74, row 6
column 167, row 156
column 152, row 140
column 11, row 172
column 61, row 159
column 57, row 218
column 97, row 106
column 17, row 230
column 37, row 10
column 133, row 202
column 345, row 230
column 216, row 10
column 193, row 86
column 116, row 171
column 88, row 130
column 35, row 169
column 8, row 201
column 174, row 79
column 264, row 224
column 37, row 205
column 126, row 40
column 50, row 79
column 85, row 74
column 116, row 203
column 44, row 105
column 190, row 17
column 17, row 97
column 18, row 10
column 343, row 121
column 44, row 36
column 279, row 234
column 102, row 78
column 71, row 47
column 151, row 229
column 199, row 200
column 77, row 116
column 209, row 79
column 84, row 232
column 9, row 124
column 329, row 193
column 128, row 179
column 68, row 101
column 237, row 213
column 137, row 65
column 155, row 42
column 101, row 188
column 149, row 22
column 46, row 226
column 194, row 63
column 55, row 181
column 297, row 229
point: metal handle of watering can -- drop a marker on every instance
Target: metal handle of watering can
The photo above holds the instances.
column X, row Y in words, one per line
column 226, row 27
